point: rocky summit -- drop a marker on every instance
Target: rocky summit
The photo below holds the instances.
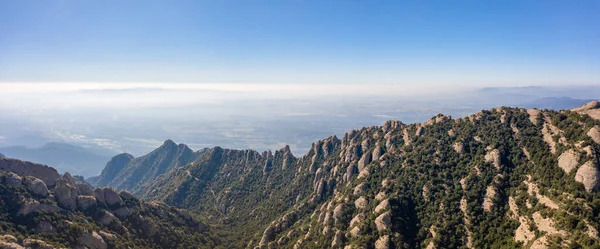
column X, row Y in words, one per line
column 500, row 178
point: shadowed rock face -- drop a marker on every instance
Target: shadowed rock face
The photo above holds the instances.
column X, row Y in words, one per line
column 128, row 173
column 112, row 168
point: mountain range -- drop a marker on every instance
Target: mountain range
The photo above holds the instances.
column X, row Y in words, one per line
column 65, row 157
column 500, row 178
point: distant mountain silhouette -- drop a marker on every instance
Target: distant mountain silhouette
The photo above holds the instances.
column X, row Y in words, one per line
column 555, row 103
column 62, row 156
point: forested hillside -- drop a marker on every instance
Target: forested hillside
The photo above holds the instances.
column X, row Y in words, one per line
column 500, row 178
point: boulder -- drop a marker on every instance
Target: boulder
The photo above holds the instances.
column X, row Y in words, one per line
column 383, row 205
column 383, row 242
column 357, row 219
column 383, row 221
column 86, row 201
column 355, row 232
column 122, row 212
column 66, row 194
column 568, row 160
column 594, row 133
column 36, row 186
column 338, row 239
column 588, row 175
column 125, row 195
column 92, row 240
column 360, row 203
column 377, row 153
column 364, row 161
column 338, row 211
column 106, row 218
column 351, row 170
column 111, row 197
column 99, row 194
column 33, row 205
column 13, row 179
column 84, row 189
column 361, row 188
column 268, row 235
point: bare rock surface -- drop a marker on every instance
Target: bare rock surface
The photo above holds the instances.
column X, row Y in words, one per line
column 588, row 175
column 383, row 221
column 47, row 174
column 36, row 186
column 568, row 160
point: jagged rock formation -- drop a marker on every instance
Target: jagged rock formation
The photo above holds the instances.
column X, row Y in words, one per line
column 507, row 177
column 75, row 216
column 42, row 172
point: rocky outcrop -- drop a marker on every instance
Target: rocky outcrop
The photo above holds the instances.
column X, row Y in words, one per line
column 36, row 244
column 360, row 203
column 268, row 235
column 31, row 206
column 592, row 109
column 9, row 242
column 594, row 133
column 66, row 192
column 534, row 115
column 125, row 195
column 14, row 179
column 111, row 197
column 85, row 202
column 588, row 175
column 383, row 205
column 84, row 189
column 47, row 174
column 493, row 157
column 383, row 242
column 92, row 240
column 568, row 160
column 36, row 186
column 383, row 221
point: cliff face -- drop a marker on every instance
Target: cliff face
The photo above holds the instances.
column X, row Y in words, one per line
column 489, row 179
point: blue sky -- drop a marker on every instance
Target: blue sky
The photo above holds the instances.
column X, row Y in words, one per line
column 478, row 42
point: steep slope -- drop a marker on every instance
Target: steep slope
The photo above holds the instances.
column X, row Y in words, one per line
column 72, row 215
column 143, row 170
column 65, row 157
column 111, row 170
column 507, row 177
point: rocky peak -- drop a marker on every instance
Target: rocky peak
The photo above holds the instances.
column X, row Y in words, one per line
column 592, row 109
column 47, row 174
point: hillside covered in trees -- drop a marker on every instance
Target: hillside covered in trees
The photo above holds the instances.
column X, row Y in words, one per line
column 501, row 178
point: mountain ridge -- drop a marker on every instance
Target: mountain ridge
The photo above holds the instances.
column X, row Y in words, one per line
column 396, row 185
